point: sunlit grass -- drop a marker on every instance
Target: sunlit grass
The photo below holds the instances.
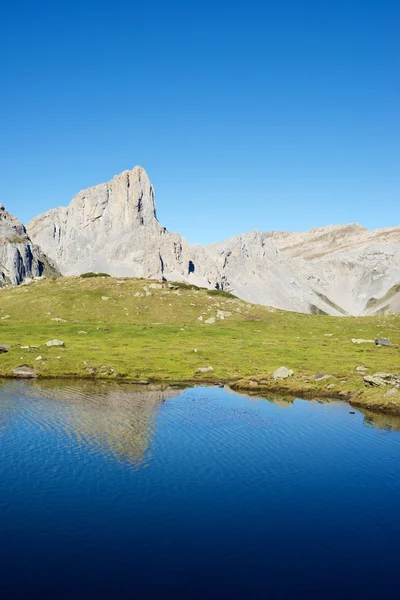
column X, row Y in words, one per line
column 127, row 329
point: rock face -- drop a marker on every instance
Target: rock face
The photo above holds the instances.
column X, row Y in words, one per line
column 335, row 270
column 20, row 259
column 111, row 227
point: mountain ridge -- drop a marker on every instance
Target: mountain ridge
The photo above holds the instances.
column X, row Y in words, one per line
column 113, row 227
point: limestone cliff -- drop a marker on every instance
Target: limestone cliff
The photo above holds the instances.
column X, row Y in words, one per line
column 20, row 259
column 110, row 227
column 113, row 227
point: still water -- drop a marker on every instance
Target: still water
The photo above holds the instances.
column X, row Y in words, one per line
column 108, row 490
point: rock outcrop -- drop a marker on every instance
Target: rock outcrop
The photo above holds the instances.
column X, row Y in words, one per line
column 335, row 270
column 111, row 227
column 20, row 259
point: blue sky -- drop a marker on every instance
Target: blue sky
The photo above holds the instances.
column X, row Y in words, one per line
column 268, row 115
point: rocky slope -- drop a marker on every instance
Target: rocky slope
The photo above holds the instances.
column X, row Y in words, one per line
column 113, row 227
column 20, row 259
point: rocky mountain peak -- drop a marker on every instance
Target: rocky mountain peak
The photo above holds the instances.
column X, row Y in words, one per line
column 112, row 227
column 20, row 259
column 10, row 226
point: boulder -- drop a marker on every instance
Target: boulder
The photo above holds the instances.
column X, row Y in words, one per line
column 54, row 343
column 321, row 376
column 361, row 341
column 222, row 314
column 205, row 370
column 210, row 321
column 24, row 372
column 382, row 342
column 380, row 379
column 282, row 373
column 372, row 381
column 4, row 348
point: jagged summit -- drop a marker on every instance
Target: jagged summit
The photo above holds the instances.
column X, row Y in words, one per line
column 10, row 226
column 20, row 259
column 113, row 227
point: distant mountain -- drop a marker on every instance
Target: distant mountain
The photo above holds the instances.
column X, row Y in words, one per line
column 20, row 259
column 113, row 227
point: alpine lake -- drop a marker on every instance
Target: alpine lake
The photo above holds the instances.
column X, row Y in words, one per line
column 109, row 489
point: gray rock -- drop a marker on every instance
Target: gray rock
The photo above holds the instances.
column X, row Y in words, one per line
column 205, row 370
column 380, row 379
column 223, row 314
column 391, row 392
column 282, row 373
column 4, row 348
column 20, row 259
column 24, row 372
column 361, row 369
column 54, row 343
column 382, row 342
column 321, row 376
column 372, row 381
column 210, row 321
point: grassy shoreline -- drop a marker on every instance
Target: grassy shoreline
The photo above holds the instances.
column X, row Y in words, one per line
column 131, row 330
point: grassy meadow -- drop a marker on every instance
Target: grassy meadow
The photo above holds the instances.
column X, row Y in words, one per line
column 138, row 330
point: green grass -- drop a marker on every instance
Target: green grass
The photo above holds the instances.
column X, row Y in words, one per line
column 91, row 274
column 136, row 332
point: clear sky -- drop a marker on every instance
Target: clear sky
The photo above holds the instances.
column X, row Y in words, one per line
column 268, row 115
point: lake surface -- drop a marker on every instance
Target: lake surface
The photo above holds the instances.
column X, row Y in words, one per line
column 105, row 489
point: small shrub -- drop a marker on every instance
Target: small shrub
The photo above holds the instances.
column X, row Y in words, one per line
column 90, row 274
column 220, row 293
column 184, row 286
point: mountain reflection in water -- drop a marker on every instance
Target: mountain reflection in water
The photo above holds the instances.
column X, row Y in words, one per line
column 116, row 419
